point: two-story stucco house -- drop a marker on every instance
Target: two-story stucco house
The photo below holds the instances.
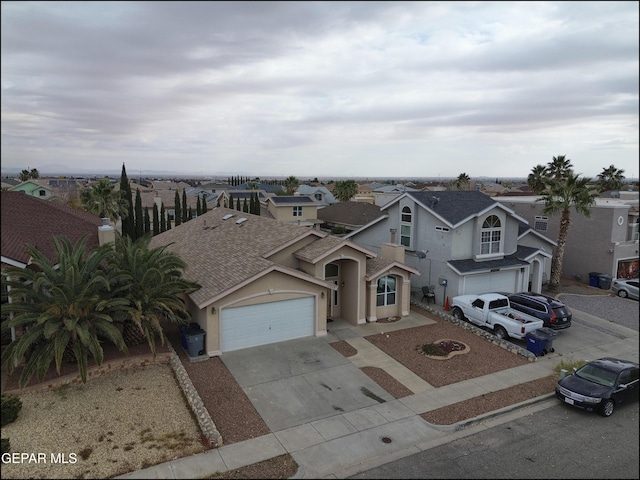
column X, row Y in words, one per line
column 462, row 242
column 606, row 243
column 264, row 281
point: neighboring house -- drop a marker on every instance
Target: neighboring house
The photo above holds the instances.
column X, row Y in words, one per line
column 606, row 243
column 264, row 281
column 345, row 217
column 320, row 194
column 33, row 188
column 298, row 209
column 387, row 193
column 266, row 187
column 29, row 220
column 243, row 195
column 462, row 242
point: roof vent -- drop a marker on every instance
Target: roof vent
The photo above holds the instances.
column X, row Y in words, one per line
column 227, row 216
column 241, row 220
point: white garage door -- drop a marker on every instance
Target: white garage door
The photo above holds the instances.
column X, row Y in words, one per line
column 491, row 282
column 243, row 327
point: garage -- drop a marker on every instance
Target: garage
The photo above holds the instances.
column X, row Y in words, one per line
column 491, row 282
column 243, row 327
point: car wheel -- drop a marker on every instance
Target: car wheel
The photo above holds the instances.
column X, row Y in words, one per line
column 607, row 408
column 622, row 293
column 501, row 333
column 457, row 313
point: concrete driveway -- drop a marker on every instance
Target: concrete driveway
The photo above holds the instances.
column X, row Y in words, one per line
column 299, row 381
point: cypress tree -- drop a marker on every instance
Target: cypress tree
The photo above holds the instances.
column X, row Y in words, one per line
column 147, row 221
column 190, row 215
column 204, row 203
column 168, row 221
column 198, row 208
column 230, row 201
column 139, row 220
column 163, row 221
column 184, row 206
column 238, row 207
column 177, row 217
column 156, row 220
column 245, row 206
column 128, row 220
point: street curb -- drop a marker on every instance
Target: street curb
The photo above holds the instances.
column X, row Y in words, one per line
column 456, row 427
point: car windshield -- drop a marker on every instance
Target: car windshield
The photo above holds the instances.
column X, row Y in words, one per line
column 598, row 375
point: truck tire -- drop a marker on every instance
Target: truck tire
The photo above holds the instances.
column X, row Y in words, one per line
column 500, row 332
column 457, row 313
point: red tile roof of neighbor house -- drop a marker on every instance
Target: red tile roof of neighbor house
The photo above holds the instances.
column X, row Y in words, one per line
column 30, row 220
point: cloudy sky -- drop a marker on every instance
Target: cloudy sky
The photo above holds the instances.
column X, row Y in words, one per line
column 326, row 89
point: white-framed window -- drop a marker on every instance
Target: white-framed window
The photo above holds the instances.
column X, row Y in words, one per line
column 297, row 211
column 541, row 223
column 386, row 294
column 491, row 235
column 406, row 225
column 441, row 229
column 633, row 227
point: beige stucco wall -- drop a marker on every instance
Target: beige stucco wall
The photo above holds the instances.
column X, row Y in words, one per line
column 403, row 297
column 273, row 287
column 285, row 213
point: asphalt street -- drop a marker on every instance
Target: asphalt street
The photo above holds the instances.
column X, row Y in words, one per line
column 556, row 442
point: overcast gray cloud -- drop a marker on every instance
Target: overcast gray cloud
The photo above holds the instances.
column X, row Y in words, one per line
column 327, row 89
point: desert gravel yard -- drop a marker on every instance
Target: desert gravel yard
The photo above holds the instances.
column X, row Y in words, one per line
column 122, row 421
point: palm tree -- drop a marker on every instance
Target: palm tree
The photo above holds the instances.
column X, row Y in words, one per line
column 152, row 282
column 559, row 168
column 611, row 178
column 535, row 180
column 561, row 196
column 65, row 309
column 102, row 199
column 345, row 189
column 463, row 182
column 291, row 185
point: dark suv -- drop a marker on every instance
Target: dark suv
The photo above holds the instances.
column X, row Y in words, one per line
column 551, row 311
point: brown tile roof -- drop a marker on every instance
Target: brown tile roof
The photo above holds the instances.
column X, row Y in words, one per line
column 28, row 219
column 353, row 214
column 313, row 251
column 222, row 254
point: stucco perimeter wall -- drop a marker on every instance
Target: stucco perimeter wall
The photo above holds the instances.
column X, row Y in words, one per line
column 273, row 287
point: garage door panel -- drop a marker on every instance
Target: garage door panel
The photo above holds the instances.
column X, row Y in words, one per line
column 492, row 282
column 243, row 327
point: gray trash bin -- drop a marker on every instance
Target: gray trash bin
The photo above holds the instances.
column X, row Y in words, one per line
column 605, row 282
column 195, row 343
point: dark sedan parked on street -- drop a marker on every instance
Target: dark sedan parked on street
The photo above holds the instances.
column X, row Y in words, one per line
column 551, row 311
column 600, row 385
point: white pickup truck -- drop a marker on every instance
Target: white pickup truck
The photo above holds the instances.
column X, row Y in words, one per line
column 493, row 310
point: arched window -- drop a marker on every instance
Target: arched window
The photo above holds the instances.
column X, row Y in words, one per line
column 386, row 294
column 491, row 235
column 406, row 225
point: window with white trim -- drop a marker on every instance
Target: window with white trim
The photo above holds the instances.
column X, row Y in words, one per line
column 490, row 235
column 297, row 211
column 406, row 222
column 634, row 231
column 541, row 223
column 386, row 294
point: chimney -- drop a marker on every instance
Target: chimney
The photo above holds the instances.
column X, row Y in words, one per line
column 106, row 233
column 392, row 250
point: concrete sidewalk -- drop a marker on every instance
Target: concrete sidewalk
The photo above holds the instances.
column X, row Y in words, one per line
column 345, row 444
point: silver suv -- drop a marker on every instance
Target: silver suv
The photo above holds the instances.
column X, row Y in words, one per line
column 551, row 311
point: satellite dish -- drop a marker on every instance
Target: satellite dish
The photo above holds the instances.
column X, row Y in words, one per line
column 422, row 254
